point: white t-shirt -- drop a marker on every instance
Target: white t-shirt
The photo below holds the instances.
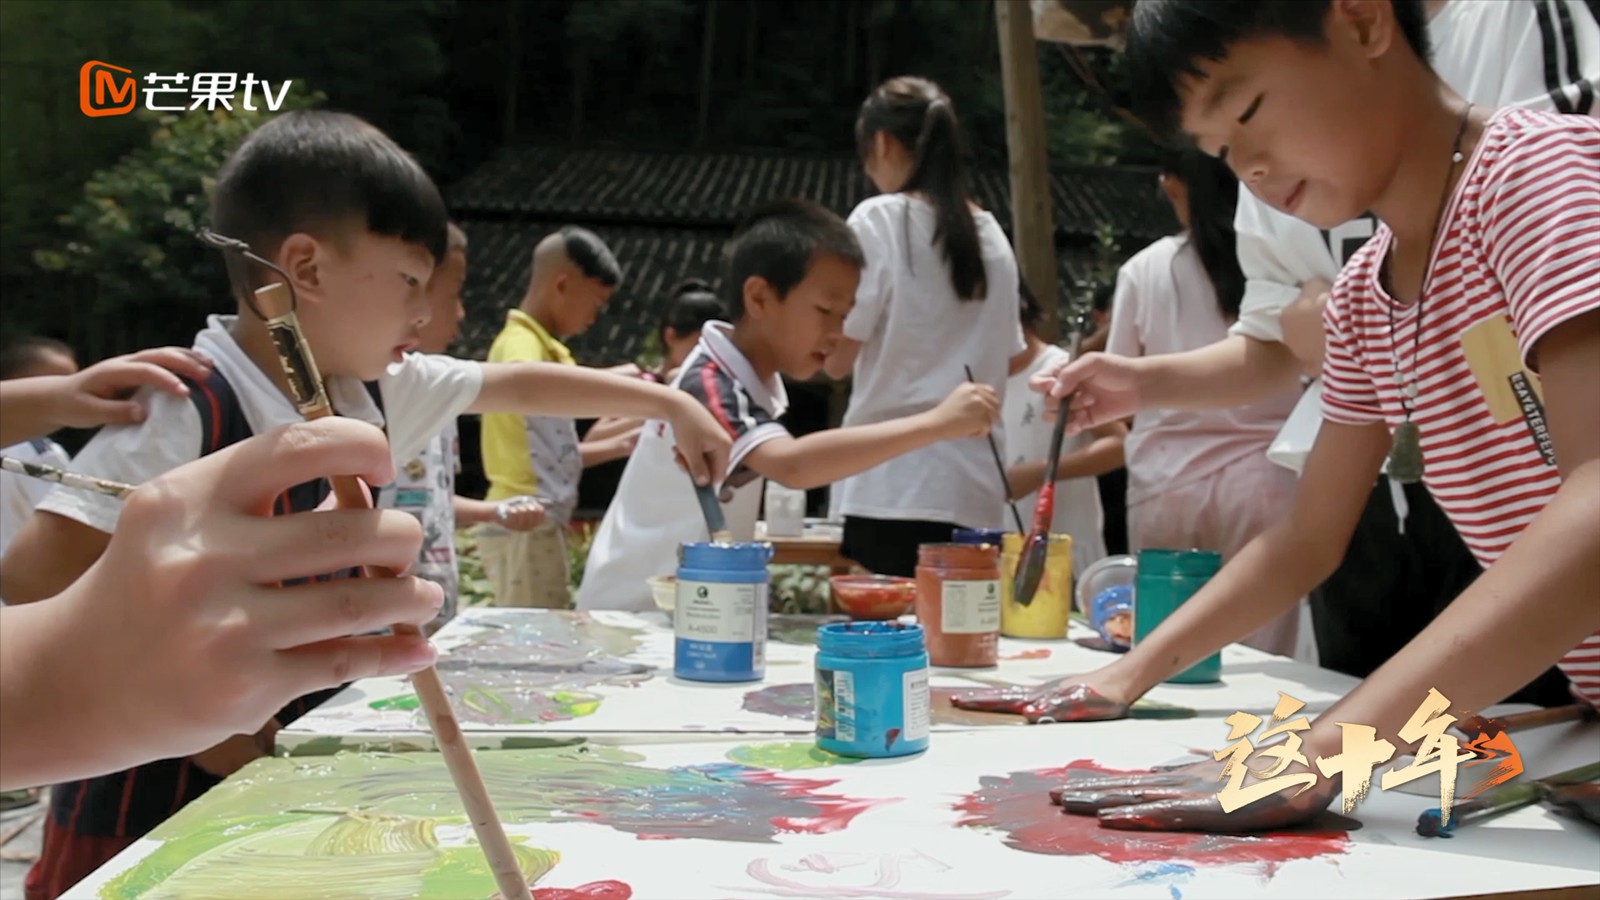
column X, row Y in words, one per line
column 1165, row 303
column 1492, row 52
column 425, row 487
column 20, row 494
column 916, row 338
column 1028, row 432
column 655, row 509
column 421, row 395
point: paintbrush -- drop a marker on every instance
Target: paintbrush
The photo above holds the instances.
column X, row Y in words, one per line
column 1476, row 725
column 1005, row 480
column 275, row 304
column 1503, row 799
column 1036, row 547
column 711, row 508
column 67, row 479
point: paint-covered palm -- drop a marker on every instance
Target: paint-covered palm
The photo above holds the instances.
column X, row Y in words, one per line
column 1186, row 798
column 1070, row 699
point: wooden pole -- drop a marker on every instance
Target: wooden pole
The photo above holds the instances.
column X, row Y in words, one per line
column 1032, row 223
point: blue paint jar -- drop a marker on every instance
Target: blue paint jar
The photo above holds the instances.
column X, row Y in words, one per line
column 978, row 536
column 720, row 620
column 1166, row 579
column 872, row 697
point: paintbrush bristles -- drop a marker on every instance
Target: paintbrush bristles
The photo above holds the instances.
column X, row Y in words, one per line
column 64, row 478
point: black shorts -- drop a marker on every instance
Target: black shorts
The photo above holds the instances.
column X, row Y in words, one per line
column 889, row 546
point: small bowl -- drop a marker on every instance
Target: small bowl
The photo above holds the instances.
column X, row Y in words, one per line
column 664, row 588
column 873, row 597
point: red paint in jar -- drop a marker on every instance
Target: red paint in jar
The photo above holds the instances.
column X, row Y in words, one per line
column 958, row 603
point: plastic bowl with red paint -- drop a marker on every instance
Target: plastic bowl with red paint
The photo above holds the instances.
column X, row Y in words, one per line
column 873, row 597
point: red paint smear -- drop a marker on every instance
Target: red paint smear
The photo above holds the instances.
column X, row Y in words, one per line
column 1019, row 805
column 594, row 890
column 835, row 811
column 1040, row 653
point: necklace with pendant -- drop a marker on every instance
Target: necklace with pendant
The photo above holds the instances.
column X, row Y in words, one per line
column 1405, row 455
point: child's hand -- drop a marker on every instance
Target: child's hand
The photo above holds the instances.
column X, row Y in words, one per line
column 1070, row 699
column 1184, row 798
column 703, row 444
column 99, row 394
column 519, row 513
column 179, row 630
column 969, row 411
column 1301, row 321
column 1104, row 388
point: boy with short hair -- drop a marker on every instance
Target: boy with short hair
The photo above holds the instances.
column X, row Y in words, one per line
column 1472, row 316
column 541, row 457
column 792, row 272
column 356, row 226
column 425, row 487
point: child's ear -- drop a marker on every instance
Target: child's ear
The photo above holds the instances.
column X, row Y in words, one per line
column 301, row 256
column 758, row 296
column 1372, row 26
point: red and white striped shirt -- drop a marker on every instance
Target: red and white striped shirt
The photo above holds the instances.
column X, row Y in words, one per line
column 1520, row 255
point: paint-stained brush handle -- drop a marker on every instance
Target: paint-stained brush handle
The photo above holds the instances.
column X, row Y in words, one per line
column 1473, row 726
column 711, row 508
column 1501, row 800
column 43, row 472
column 310, row 397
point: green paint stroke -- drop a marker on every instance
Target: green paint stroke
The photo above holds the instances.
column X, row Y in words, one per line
column 787, row 756
column 400, row 701
column 314, row 856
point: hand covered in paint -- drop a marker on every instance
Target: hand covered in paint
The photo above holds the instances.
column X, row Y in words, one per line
column 969, row 411
column 1070, row 699
column 519, row 513
column 1184, row 798
column 1104, row 388
column 179, row 634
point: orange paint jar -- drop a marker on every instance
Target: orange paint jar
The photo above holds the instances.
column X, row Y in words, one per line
column 958, row 603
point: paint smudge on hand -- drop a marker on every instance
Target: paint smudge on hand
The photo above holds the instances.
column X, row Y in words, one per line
column 1019, row 806
column 1062, row 700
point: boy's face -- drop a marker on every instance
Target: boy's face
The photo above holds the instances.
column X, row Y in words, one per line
column 806, row 325
column 444, row 304
column 363, row 300
column 1311, row 130
column 580, row 300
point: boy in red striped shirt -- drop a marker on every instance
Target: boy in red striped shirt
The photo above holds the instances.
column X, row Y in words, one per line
column 1467, row 331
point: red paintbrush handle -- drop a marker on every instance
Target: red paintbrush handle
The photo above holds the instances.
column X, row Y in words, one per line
column 1045, row 509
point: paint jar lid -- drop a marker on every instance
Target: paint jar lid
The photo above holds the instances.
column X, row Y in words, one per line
column 728, row 556
column 959, row 556
column 1181, row 563
column 871, row 639
column 978, row 535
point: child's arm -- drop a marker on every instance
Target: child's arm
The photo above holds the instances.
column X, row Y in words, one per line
column 596, row 451
column 612, row 426
column 176, row 645
column 1267, row 577
column 551, row 389
column 95, row 396
column 514, row 514
column 1104, row 454
column 827, row 456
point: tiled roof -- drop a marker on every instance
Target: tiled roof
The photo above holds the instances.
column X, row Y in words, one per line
column 653, row 258
column 666, row 216
column 633, row 187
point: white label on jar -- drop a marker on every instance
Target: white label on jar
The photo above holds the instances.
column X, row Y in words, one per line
column 709, row 611
column 970, row 607
column 844, row 704
column 918, row 705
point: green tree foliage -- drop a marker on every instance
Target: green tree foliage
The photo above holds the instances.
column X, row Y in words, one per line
column 132, row 235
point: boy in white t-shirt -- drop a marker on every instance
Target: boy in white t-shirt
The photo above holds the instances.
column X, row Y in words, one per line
column 1084, row 456
column 792, row 274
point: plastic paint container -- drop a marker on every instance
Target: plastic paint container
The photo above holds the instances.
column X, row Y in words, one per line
column 1166, row 579
column 1045, row 617
column 958, row 603
column 872, row 695
column 978, row 536
column 721, row 612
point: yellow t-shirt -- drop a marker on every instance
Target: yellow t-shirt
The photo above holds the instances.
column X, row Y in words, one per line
column 531, row 455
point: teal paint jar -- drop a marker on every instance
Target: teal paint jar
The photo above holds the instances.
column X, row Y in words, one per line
column 1166, row 579
column 872, row 697
column 720, row 619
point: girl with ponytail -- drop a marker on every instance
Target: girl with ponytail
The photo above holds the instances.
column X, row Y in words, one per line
column 938, row 294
